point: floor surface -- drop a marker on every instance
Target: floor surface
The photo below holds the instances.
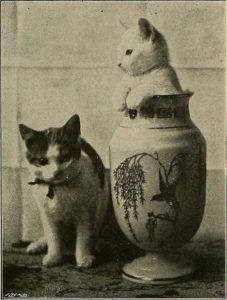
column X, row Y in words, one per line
column 23, row 274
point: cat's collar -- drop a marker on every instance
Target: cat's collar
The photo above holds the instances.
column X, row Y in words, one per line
column 51, row 185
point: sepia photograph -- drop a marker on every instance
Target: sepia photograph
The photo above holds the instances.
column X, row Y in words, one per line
column 113, row 149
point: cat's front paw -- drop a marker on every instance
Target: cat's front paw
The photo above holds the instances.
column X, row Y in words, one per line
column 133, row 101
column 119, row 98
column 51, row 260
column 85, row 261
column 36, row 247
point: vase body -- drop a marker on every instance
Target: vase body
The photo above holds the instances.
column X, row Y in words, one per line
column 158, row 174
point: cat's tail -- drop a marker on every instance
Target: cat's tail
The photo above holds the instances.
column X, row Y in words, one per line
column 96, row 160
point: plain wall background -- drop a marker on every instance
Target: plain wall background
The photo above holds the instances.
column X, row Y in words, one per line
column 59, row 58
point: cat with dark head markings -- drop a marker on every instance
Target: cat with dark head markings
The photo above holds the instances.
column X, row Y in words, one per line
column 143, row 56
column 71, row 176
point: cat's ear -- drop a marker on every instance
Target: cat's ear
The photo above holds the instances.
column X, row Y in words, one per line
column 72, row 127
column 25, row 131
column 146, row 29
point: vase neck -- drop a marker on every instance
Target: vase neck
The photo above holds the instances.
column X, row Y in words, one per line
column 160, row 111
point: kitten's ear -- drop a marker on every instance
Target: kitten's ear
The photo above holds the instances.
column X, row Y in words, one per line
column 25, row 131
column 146, row 29
column 72, row 127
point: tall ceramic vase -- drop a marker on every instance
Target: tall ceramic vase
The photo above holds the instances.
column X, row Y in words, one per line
column 158, row 178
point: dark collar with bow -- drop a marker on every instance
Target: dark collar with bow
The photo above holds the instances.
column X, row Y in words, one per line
column 51, row 185
column 50, row 193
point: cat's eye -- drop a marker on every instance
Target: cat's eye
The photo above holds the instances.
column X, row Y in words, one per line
column 64, row 158
column 128, row 52
column 43, row 161
column 29, row 142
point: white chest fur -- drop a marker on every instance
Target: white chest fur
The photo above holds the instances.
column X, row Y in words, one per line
column 80, row 197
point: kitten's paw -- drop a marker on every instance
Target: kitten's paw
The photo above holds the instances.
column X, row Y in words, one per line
column 133, row 100
column 86, row 261
column 36, row 247
column 52, row 260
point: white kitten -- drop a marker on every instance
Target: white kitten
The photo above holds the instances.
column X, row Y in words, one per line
column 143, row 56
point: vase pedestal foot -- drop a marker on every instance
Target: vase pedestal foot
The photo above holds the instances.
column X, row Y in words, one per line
column 159, row 268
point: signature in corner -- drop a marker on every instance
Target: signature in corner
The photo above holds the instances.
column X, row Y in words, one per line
column 13, row 295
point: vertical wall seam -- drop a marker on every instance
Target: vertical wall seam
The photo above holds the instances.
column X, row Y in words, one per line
column 18, row 118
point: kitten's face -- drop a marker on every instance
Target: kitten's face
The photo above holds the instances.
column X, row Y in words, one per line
column 53, row 154
column 139, row 47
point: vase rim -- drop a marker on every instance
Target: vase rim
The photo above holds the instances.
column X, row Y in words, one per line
column 181, row 95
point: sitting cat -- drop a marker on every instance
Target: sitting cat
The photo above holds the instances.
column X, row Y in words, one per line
column 143, row 56
column 70, row 170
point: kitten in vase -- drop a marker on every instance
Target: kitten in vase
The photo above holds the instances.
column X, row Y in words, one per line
column 71, row 176
column 143, row 57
